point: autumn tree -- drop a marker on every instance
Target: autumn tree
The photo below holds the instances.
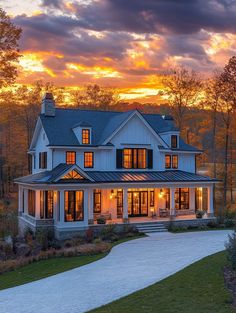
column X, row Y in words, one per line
column 227, row 108
column 96, row 97
column 9, row 49
column 182, row 88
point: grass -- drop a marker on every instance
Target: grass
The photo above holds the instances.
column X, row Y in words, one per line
column 49, row 267
column 199, row 288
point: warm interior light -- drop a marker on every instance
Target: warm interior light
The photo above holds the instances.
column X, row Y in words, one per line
column 161, row 193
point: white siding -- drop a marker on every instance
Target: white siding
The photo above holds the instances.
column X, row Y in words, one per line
column 134, row 134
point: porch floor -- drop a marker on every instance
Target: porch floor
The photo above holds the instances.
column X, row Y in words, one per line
column 146, row 219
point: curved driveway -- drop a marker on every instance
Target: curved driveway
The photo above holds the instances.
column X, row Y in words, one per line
column 129, row 267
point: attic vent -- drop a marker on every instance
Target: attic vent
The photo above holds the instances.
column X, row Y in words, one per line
column 48, row 105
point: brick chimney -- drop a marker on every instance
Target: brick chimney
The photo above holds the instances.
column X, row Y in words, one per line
column 48, row 105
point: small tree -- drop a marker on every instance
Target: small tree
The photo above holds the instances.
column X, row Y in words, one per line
column 182, row 88
column 96, row 97
column 9, row 49
column 227, row 108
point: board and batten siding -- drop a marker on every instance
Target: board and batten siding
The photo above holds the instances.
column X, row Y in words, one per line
column 134, row 134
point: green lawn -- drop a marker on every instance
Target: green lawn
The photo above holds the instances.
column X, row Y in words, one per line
column 199, row 288
column 45, row 268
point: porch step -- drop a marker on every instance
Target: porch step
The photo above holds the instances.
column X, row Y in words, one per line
column 151, row 228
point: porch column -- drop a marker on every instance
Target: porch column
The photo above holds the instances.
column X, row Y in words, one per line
column 125, row 205
column 210, row 202
column 37, row 204
column 172, row 201
column 192, row 199
column 90, row 206
column 25, row 201
column 61, row 207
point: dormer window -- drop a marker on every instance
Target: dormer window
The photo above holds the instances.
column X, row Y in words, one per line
column 85, row 136
column 174, row 141
column 70, row 157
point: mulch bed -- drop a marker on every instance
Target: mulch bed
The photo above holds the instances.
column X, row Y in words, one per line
column 230, row 282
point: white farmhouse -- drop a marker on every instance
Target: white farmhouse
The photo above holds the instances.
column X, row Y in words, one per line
column 127, row 167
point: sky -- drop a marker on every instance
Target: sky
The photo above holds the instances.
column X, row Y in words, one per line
column 124, row 44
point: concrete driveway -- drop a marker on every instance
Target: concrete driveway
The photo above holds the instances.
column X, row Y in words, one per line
column 129, row 267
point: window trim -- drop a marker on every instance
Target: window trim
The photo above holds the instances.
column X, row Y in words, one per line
column 175, row 146
column 43, row 160
column 44, row 204
column 97, row 192
column 89, row 136
column 152, row 198
column 86, row 152
column 177, row 161
column 74, row 152
column 74, row 207
column 170, row 159
column 135, row 156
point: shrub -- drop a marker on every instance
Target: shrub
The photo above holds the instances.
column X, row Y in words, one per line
column 44, row 237
column 231, row 249
column 101, row 220
column 212, row 224
column 108, row 232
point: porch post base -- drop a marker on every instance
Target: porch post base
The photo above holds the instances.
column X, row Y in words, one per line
column 90, row 221
column 210, row 214
column 126, row 220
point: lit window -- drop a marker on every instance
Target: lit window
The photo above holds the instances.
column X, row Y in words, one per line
column 46, row 204
column 74, row 205
column 152, row 198
column 88, row 159
column 174, row 161
column 167, row 161
column 127, row 157
column 31, row 202
column 182, row 199
column 73, row 175
column 85, row 136
column 134, row 158
column 43, row 160
column 173, row 141
column 142, row 158
column 70, row 157
column 97, row 197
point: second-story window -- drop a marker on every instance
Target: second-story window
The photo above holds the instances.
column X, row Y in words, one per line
column 171, row 161
column 174, row 161
column 134, row 158
column 167, row 161
column 88, row 159
column 85, row 136
column 70, row 157
column 174, row 141
column 42, row 159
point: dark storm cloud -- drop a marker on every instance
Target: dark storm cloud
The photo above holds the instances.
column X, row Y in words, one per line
column 62, row 34
column 159, row 16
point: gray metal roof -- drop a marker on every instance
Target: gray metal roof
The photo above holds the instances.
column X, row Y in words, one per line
column 59, row 129
column 49, row 177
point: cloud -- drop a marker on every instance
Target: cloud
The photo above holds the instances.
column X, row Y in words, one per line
column 162, row 16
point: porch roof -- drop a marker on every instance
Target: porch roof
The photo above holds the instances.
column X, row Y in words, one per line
column 93, row 177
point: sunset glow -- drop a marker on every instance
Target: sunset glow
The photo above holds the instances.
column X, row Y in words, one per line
column 74, row 43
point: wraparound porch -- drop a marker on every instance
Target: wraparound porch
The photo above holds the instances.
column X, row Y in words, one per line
column 75, row 207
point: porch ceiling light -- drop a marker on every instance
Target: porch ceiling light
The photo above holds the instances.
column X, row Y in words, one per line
column 161, row 193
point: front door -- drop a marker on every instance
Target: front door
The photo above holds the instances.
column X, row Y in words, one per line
column 137, row 203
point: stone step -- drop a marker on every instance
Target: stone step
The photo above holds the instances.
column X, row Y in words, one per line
column 151, row 228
